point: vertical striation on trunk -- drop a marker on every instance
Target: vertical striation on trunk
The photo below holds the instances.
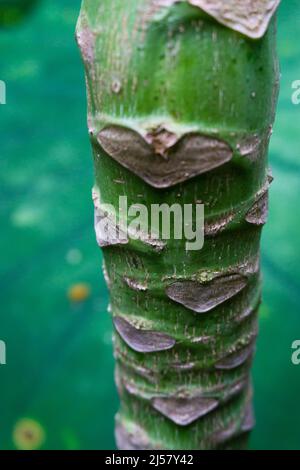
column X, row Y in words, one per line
column 181, row 102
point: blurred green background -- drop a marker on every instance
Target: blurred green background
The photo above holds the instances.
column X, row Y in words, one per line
column 57, row 390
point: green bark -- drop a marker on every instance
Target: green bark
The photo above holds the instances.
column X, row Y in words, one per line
column 181, row 104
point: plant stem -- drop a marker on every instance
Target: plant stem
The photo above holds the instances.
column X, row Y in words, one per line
column 181, row 104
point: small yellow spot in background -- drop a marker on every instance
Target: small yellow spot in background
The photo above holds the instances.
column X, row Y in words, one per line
column 79, row 292
column 28, row 435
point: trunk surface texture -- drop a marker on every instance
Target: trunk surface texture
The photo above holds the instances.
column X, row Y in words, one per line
column 181, row 103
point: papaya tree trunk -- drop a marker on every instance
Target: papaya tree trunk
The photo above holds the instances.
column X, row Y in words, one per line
column 181, row 102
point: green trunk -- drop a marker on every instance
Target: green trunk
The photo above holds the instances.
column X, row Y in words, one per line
column 182, row 100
